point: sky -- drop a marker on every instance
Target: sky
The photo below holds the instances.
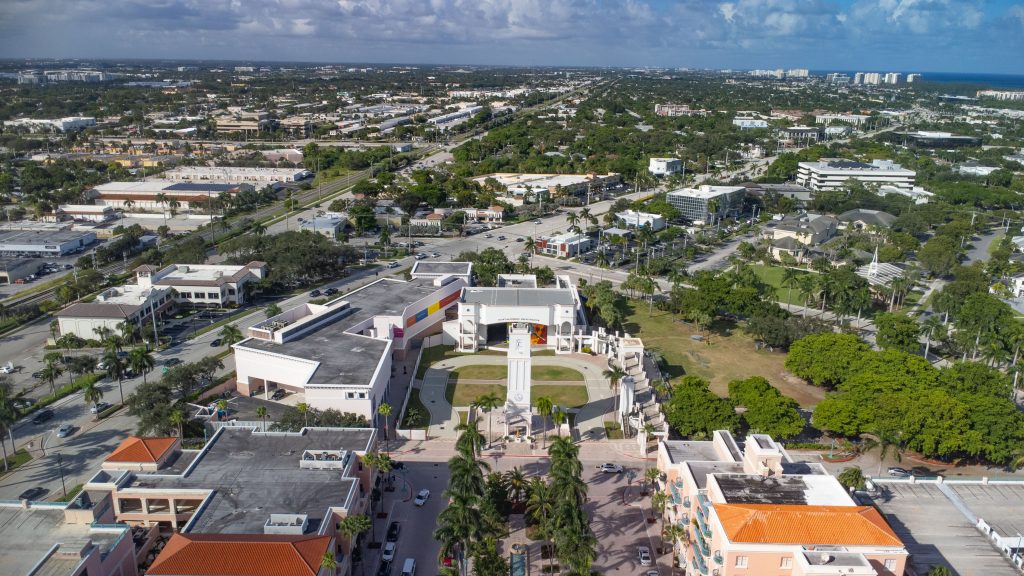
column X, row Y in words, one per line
column 983, row 36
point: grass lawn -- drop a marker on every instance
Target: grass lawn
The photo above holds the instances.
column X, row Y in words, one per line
column 500, row 372
column 71, row 494
column 570, row 395
column 19, row 458
column 772, row 276
column 727, row 357
column 421, row 416
column 465, row 394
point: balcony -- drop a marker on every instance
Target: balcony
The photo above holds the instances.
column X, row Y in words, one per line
column 718, row 558
column 699, row 564
column 701, row 543
column 702, row 522
column 702, row 502
column 686, row 502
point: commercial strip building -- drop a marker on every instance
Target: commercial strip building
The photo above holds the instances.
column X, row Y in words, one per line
column 918, row 194
column 633, row 219
column 142, row 196
column 851, row 119
column 203, row 285
column 564, row 245
column 129, row 303
column 44, row 243
column 665, row 166
column 248, row 502
column 329, row 225
column 234, row 175
column 749, row 508
column 339, row 354
column 932, row 139
column 744, row 123
column 14, row 269
column 703, row 203
column 522, row 184
column 85, row 212
column 829, row 174
column 672, row 110
column 444, row 121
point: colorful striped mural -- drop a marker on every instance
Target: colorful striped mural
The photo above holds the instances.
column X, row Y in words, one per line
column 436, row 306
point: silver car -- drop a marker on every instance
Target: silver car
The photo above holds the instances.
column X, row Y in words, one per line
column 65, row 430
column 643, row 553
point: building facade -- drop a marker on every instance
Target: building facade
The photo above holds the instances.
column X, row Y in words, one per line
column 633, row 219
column 203, row 285
column 145, row 196
column 234, row 175
column 703, row 203
column 665, row 166
column 564, row 245
column 129, row 303
column 829, row 174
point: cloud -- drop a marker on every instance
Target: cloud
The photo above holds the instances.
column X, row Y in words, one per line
column 733, row 33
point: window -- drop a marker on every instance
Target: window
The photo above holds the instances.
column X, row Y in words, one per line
column 185, row 294
column 350, row 395
column 741, row 561
column 786, row 562
column 213, row 295
column 362, row 395
column 890, row 565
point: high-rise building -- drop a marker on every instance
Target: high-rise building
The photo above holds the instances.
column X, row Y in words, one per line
column 798, row 73
column 872, row 78
column 893, row 78
column 701, row 204
column 911, row 78
column 858, row 78
column 831, row 173
column 837, row 78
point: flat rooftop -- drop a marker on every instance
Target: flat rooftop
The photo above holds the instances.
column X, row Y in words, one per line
column 350, row 359
column 935, row 532
column 253, row 475
column 786, row 489
column 680, row 451
column 706, row 192
column 517, row 296
column 205, row 273
column 1001, row 505
column 28, row 535
column 441, row 268
column 40, row 236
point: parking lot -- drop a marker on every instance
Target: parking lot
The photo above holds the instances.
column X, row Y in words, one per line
column 937, row 533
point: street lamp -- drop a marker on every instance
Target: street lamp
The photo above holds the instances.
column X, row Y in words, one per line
column 60, row 466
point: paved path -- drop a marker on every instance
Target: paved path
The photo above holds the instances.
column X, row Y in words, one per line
column 444, row 418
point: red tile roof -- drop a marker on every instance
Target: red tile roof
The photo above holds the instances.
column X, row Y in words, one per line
column 136, row 449
column 798, row 524
column 240, row 555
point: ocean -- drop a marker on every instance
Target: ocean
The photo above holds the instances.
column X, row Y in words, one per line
column 998, row 81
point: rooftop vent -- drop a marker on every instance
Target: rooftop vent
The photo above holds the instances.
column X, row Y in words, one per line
column 286, row 524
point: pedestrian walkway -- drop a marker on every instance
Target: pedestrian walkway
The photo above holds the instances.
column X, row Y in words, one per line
column 444, row 418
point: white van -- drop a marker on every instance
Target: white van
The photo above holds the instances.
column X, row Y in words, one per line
column 409, row 568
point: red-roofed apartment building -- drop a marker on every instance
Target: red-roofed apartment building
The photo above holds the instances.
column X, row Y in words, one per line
column 749, row 509
column 243, row 555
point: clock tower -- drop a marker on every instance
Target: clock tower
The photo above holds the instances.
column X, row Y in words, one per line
column 519, row 413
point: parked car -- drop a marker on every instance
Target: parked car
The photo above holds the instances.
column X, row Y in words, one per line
column 7, row 368
column 215, row 343
column 99, row 407
column 420, row 256
column 32, row 493
column 65, row 430
column 897, row 472
column 331, row 291
column 501, row 237
column 488, row 235
column 42, row 416
column 279, row 393
column 435, row 255
column 172, row 362
column 537, row 222
column 608, row 468
column 314, row 294
column 388, row 553
column 520, row 239
column 23, row 403
column 643, row 553
column 393, row 264
column 394, row 529
column 421, row 498
column 385, row 569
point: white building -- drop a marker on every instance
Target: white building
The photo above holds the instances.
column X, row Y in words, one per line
column 203, row 285
column 86, row 212
column 564, row 245
column 798, row 73
column 699, row 205
column 329, row 224
column 672, row 110
column 1001, row 94
column 975, row 169
column 339, row 354
column 746, row 123
column 665, row 166
column 858, row 78
column 66, row 124
column 911, row 78
column 918, row 194
column 633, row 219
column 143, row 196
column 893, row 78
column 444, row 121
column 829, row 174
column 132, row 303
column 234, row 175
column 853, row 119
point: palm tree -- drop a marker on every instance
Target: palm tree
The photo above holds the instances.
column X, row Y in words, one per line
column 230, row 335
column 127, row 204
column 614, row 375
column 929, row 326
column 789, row 280
column 806, row 286
column 174, row 205
column 261, row 412
column 8, row 416
column 178, row 419
column 541, row 507
column 114, row 342
column 558, row 416
column 161, row 199
column 352, row 526
column 573, row 219
column 329, row 561
column 272, row 310
column 487, row 403
column 516, row 485
column 385, row 410
column 303, row 409
column 91, row 393
column 470, row 442
column 114, row 366
column 141, row 361
column 544, row 407
column 50, row 373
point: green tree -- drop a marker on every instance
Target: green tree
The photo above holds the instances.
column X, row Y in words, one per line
column 261, row 412
column 897, row 332
column 141, row 361
column 149, row 403
column 385, row 410
column 229, row 335
column 825, row 359
column 768, row 411
column 544, row 407
column 852, row 478
column 91, row 393
column 272, row 310
column 695, row 411
column 939, row 255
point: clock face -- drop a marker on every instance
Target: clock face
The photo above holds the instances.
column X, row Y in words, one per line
column 519, row 396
